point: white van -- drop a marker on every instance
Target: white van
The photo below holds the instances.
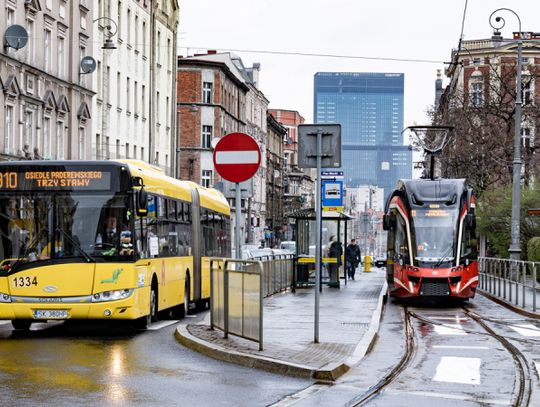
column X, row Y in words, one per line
column 289, row 245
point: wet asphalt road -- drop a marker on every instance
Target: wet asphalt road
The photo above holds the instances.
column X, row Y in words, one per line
column 82, row 363
column 454, row 363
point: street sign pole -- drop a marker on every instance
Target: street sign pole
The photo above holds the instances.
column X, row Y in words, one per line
column 318, row 238
column 238, row 213
column 237, row 158
column 325, row 151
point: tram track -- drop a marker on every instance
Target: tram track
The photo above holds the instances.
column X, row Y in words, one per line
column 521, row 394
column 398, row 368
column 522, row 386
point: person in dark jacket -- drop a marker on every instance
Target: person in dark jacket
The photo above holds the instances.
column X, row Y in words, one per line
column 335, row 251
column 352, row 258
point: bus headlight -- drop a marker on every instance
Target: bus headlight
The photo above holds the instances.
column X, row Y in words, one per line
column 112, row 295
column 5, row 297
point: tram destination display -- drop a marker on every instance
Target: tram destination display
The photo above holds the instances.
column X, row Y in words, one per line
column 54, row 179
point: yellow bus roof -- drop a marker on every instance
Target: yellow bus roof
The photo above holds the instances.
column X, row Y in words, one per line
column 156, row 181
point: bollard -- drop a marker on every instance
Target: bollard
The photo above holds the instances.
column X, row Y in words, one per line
column 367, row 264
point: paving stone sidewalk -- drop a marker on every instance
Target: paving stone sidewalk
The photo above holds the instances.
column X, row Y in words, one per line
column 348, row 322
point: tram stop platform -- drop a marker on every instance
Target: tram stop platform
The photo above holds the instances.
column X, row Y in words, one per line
column 349, row 319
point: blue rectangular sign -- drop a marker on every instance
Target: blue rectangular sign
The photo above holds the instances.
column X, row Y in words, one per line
column 332, row 193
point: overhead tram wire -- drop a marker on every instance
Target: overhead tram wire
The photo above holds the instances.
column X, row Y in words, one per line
column 314, row 54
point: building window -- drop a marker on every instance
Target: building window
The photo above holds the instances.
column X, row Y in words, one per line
column 107, row 148
column 47, row 50
column 526, row 139
column 137, row 33
column 82, row 150
column 119, row 19
column 477, row 94
column 206, row 141
column 30, row 47
column 60, row 134
column 118, row 90
column 46, row 149
column 207, row 92
column 143, row 102
column 128, row 27
column 62, row 10
column 117, row 148
column 206, row 178
column 526, row 90
column 136, row 98
column 128, row 94
column 8, row 138
column 98, row 147
column 144, row 37
column 127, row 150
column 28, row 129
column 61, row 56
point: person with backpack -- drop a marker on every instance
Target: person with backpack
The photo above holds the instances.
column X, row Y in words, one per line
column 352, row 258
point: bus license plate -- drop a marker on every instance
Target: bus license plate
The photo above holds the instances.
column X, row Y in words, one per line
column 50, row 314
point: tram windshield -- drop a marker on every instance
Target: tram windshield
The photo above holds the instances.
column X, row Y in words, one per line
column 434, row 230
column 52, row 226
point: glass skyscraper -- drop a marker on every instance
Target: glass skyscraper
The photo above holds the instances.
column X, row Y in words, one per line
column 369, row 107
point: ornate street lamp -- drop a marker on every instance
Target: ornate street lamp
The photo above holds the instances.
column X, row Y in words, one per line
column 514, row 249
column 108, row 43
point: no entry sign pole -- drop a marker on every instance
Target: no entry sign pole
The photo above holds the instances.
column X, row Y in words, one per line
column 237, row 158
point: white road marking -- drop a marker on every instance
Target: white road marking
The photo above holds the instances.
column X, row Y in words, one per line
column 460, row 347
column 191, row 316
column 537, row 365
column 449, row 330
column 159, row 325
column 237, row 157
column 526, row 330
column 453, row 397
column 458, row 370
column 457, row 319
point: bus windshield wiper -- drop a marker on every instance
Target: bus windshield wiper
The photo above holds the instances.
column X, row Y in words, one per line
column 24, row 256
column 445, row 256
column 77, row 245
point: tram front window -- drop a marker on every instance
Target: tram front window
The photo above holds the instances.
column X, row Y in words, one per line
column 40, row 227
column 435, row 234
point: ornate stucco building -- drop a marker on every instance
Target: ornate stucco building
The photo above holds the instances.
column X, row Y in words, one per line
column 45, row 103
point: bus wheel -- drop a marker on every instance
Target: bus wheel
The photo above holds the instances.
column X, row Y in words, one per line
column 186, row 297
column 144, row 322
column 22, row 324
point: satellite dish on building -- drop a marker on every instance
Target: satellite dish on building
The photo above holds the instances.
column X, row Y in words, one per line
column 88, row 65
column 15, row 37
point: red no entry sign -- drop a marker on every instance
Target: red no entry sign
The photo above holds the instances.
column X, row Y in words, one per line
column 237, row 157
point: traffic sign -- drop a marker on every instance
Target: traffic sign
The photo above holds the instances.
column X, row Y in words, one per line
column 237, row 157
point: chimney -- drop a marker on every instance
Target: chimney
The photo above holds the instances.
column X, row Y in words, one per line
column 253, row 73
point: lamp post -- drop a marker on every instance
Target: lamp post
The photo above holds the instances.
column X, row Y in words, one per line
column 514, row 249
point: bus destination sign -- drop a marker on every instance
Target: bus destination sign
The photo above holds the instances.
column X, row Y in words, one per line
column 53, row 179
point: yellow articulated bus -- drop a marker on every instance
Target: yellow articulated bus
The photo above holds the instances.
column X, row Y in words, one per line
column 104, row 240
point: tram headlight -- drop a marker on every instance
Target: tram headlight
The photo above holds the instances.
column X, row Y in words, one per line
column 112, row 295
column 5, row 297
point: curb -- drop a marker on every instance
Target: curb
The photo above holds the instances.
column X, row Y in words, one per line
column 259, row 362
column 370, row 336
column 328, row 373
column 509, row 305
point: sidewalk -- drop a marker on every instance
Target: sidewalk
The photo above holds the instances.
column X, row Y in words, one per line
column 348, row 322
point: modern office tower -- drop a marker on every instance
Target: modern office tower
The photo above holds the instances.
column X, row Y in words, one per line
column 369, row 107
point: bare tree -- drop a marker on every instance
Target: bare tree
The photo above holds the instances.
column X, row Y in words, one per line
column 482, row 144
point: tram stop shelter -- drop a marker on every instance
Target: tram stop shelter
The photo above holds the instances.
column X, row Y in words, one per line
column 334, row 224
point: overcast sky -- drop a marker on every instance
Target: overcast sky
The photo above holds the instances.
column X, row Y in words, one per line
column 401, row 29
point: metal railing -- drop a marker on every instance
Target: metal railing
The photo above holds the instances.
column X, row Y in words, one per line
column 511, row 280
column 278, row 272
column 236, row 301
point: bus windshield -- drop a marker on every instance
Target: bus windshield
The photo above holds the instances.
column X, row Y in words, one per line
column 434, row 230
column 40, row 227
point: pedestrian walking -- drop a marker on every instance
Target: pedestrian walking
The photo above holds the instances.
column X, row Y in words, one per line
column 335, row 251
column 352, row 258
